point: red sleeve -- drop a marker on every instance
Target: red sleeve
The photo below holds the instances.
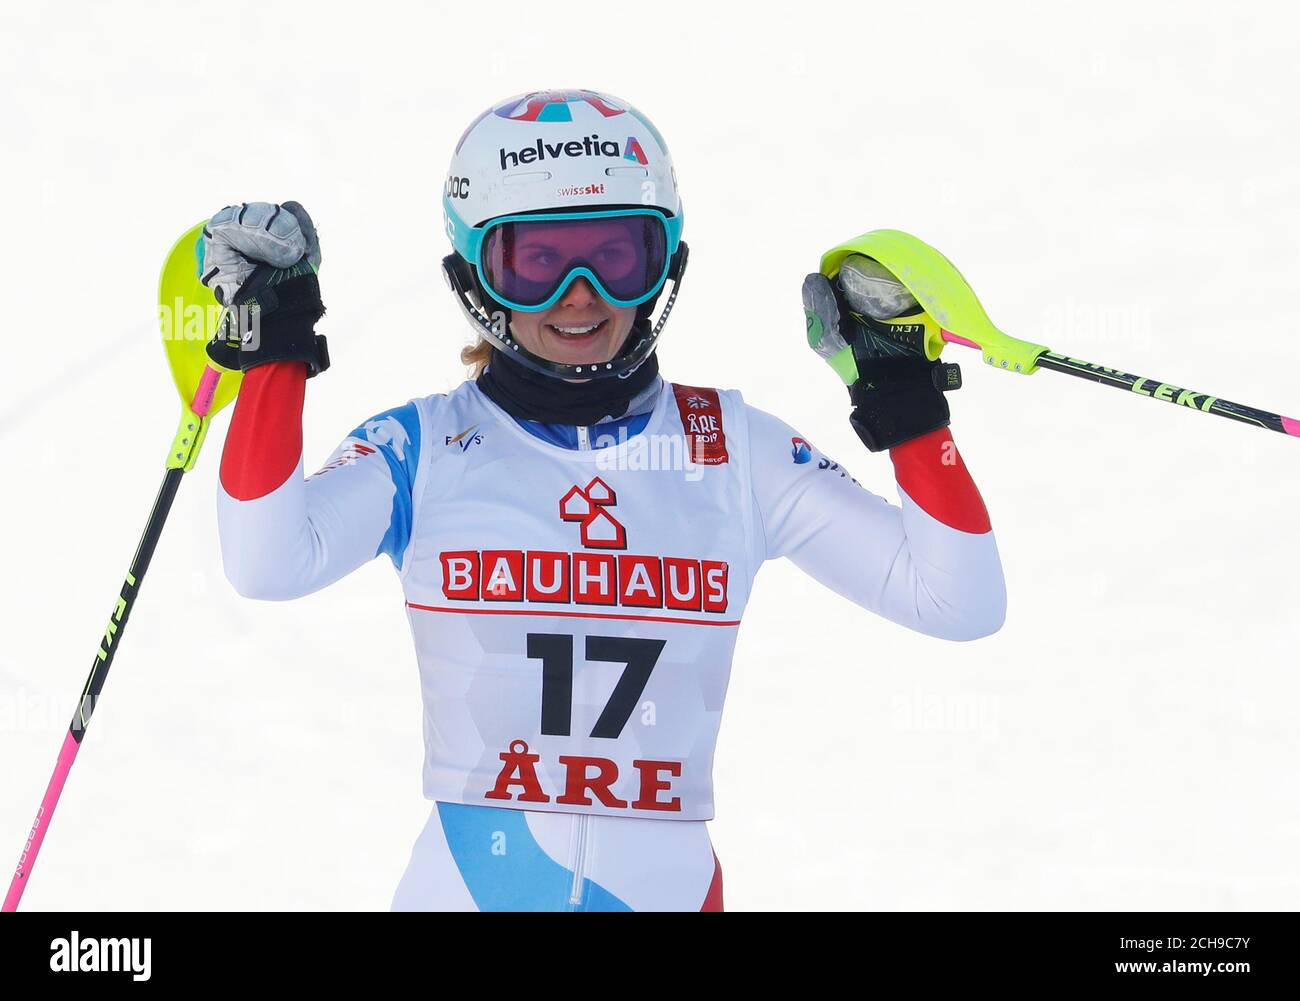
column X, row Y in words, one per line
column 931, row 471
column 264, row 443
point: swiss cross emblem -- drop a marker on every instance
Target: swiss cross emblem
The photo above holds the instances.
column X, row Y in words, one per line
column 588, row 506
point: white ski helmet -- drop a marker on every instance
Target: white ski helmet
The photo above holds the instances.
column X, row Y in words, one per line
column 562, row 157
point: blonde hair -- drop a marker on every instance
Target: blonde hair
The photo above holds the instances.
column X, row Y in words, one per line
column 477, row 356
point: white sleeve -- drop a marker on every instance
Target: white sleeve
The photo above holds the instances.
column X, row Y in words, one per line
column 301, row 535
column 903, row 563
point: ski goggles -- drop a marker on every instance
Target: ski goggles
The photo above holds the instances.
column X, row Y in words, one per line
column 528, row 262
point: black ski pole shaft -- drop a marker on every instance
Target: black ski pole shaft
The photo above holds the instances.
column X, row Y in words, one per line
column 1168, row 392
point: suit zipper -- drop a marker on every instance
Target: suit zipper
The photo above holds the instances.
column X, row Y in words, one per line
column 579, row 858
column 580, row 821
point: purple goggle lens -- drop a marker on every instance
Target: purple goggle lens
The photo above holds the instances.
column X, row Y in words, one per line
column 525, row 262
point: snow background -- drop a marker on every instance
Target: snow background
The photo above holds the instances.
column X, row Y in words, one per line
column 1115, row 179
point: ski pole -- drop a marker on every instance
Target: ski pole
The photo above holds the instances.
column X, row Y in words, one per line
column 185, row 306
column 887, row 275
column 1154, row 389
column 185, row 447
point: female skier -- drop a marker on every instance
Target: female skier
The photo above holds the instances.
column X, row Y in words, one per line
column 576, row 537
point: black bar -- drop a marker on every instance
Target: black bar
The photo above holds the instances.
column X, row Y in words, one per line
column 1050, row 954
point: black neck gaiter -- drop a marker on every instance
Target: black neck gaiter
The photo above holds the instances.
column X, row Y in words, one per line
column 531, row 396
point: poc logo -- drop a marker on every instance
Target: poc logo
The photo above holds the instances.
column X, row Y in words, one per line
column 456, row 187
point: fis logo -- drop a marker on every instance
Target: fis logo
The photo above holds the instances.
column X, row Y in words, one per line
column 800, row 451
column 465, row 439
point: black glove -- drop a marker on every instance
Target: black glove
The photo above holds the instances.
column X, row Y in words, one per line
column 896, row 391
column 273, row 318
column 260, row 261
